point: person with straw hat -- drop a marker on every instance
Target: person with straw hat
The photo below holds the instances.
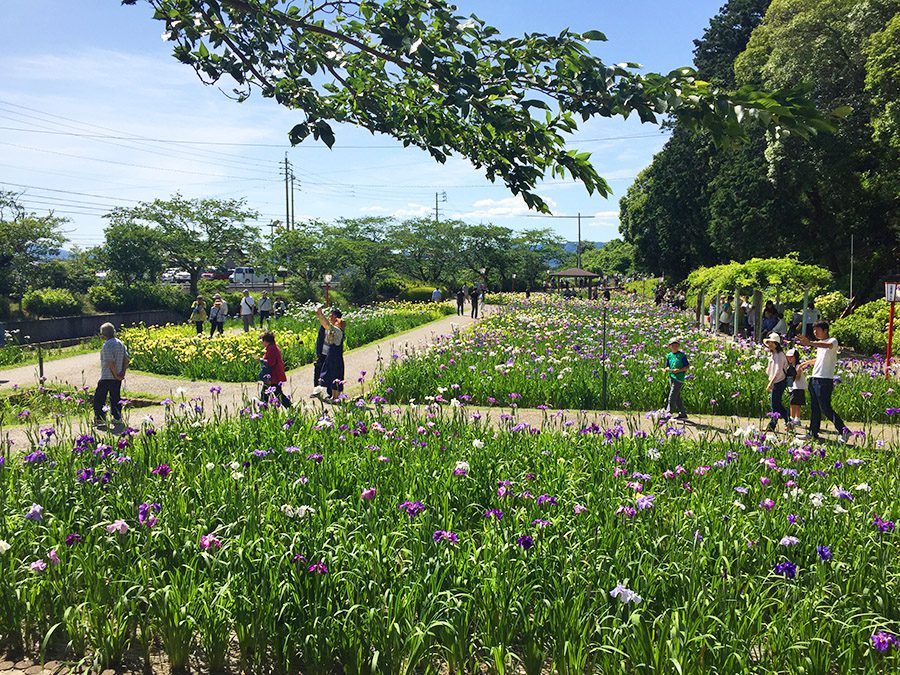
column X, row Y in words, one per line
column 777, row 372
column 676, row 366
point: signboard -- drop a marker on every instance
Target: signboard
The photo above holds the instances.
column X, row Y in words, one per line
column 890, row 291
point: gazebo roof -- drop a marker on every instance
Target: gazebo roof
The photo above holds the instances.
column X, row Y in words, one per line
column 575, row 272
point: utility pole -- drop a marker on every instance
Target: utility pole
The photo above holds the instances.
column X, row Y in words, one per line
column 578, row 250
column 438, row 196
column 287, row 195
column 293, row 213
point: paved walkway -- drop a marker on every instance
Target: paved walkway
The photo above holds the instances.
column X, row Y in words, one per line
column 82, row 370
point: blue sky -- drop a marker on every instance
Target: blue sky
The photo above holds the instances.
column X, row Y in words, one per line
column 91, row 101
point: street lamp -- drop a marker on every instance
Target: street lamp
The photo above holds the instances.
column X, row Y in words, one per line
column 327, row 279
column 514, row 282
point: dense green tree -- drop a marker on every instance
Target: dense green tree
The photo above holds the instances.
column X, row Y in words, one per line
column 488, row 247
column 615, row 257
column 133, row 252
column 194, row 234
column 357, row 251
column 427, row 250
column 446, row 83
column 670, row 223
column 26, row 241
column 533, row 253
column 840, row 182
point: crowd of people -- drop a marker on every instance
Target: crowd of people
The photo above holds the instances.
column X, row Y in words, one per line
column 248, row 309
column 785, row 371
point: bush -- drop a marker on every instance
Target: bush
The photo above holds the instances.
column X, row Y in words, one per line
column 4, row 307
column 116, row 297
column 420, row 294
column 209, row 287
column 832, row 305
column 51, row 302
column 865, row 330
column 391, row 287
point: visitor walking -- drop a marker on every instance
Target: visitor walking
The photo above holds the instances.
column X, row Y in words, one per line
column 460, row 301
column 725, row 316
column 247, row 310
column 217, row 315
column 677, row 365
column 796, row 385
column 821, row 380
column 436, row 295
column 198, row 314
column 265, row 310
column 272, row 374
column 332, row 374
column 113, row 364
column 473, row 296
column 777, row 373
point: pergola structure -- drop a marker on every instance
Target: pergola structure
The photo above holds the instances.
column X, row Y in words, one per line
column 575, row 273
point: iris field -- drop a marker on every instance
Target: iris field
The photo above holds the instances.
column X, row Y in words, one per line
column 370, row 541
column 549, row 351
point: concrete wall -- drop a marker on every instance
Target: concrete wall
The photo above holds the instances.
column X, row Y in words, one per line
column 71, row 327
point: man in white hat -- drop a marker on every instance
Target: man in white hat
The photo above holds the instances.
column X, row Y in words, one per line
column 676, row 367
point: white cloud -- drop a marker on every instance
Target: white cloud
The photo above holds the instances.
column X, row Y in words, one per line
column 408, row 211
column 501, row 208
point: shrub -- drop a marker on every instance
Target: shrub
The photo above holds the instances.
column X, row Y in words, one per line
column 391, row 287
column 51, row 302
column 419, row 293
column 209, row 287
column 832, row 305
column 4, row 307
column 865, row 330
column 300, row 290
column 116, row 297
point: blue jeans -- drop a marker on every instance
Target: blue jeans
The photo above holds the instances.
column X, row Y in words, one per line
column 775, row 403
column 820, row 389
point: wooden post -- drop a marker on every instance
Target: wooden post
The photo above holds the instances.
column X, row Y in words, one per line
column 700, row 309
column 757, row 311
column 735, row 311
column 805, row 307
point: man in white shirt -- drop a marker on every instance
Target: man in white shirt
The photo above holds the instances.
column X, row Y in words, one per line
column 113, row 364
column 248, row 309
column 821, row 380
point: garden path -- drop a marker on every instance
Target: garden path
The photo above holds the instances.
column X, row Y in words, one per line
column 81, row 370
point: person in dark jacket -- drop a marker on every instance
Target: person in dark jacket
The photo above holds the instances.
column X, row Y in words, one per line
column 320, row 357
column 460, row 301
column 332, row 374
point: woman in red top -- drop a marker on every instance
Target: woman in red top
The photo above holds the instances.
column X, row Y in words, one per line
column 275, row 377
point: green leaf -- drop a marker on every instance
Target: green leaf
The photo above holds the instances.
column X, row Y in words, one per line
column 594, row 35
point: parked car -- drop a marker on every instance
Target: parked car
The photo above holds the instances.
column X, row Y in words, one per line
column 216, row 273
column 101, row 274
column 169, row 275
column 182, row 277
column 250, row 277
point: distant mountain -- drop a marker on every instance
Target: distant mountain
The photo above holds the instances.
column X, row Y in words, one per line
column 62, row 255
column 572, row 246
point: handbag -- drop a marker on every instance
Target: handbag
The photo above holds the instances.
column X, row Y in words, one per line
column 265, row 373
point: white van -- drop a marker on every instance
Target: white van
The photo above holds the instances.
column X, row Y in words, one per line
column 250, row 277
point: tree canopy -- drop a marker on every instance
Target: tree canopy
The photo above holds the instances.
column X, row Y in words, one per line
column 418, row 71
column 698, row 204
column 27, row 242
column 193, row 234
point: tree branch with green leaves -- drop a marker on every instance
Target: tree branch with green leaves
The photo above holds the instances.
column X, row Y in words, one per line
column 450, row 84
